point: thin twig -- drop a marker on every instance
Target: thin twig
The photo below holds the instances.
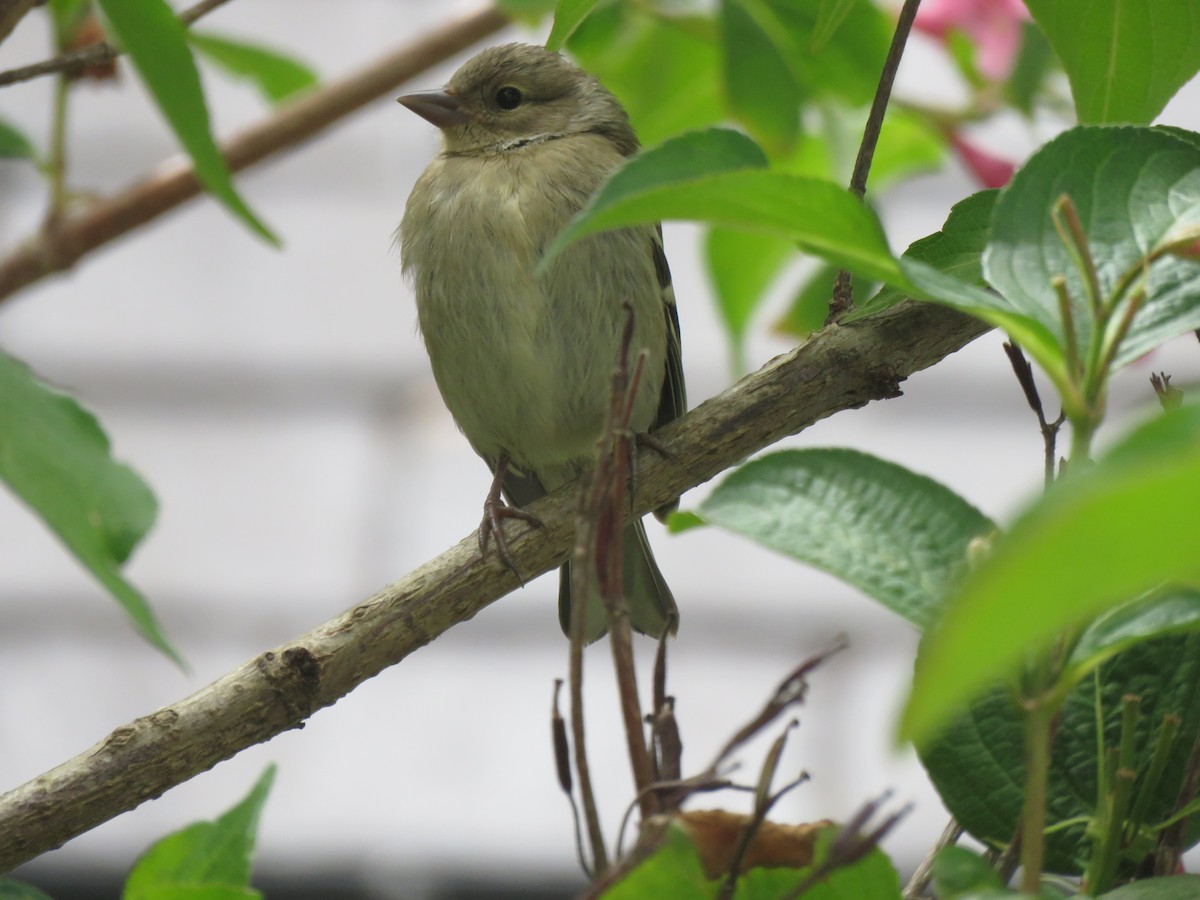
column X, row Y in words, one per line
column 843, row 295
column 920, row 880
column 851, row 844
column 93, row 54
column 607, row 495
column 1024, row 372
column 174, row 181
column 587, row 794
column 839, row 369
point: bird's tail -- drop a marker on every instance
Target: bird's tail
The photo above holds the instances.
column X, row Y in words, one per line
column 651, row 606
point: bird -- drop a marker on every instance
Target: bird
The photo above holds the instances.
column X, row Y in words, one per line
column 524, row 358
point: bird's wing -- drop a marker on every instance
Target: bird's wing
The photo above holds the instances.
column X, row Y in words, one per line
column 673, row 402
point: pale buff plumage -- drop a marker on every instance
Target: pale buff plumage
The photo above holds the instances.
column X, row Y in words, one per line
column 524, row 361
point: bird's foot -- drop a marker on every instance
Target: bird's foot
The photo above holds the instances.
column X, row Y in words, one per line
column 495, row 511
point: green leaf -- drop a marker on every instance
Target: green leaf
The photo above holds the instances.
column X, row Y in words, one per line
column 1163, row 612
column 957, row 872
column 204, row 855
column 568, row 15
column 810, row 304
column 55, row 457
column 14, row 144
column 927, row 283
column 759, row 85
column 873, row 876
column 684, row 520
column 11, row 889
column 665, row 71
column 684, row 159
column 1124, row 60
column 830, row 16
column 674, row 870
column 899, row 537
column 1109, row 533
column 955, row 250
column 198, row 892
column 742, row 266
column 1134, row 189
column 530, row 12
column 1035, row 61
column 977, row 762
column 157, row 43
column 277, row 76
column 845, row 63
column 706, row 176
column 1174, row 887
column 907, row 146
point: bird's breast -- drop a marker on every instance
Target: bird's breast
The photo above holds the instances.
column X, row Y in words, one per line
column 523, row 361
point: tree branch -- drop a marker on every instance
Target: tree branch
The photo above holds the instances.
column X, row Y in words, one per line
column 841, row 367
column 85, row 57
column 11, row 12
column 173, row 182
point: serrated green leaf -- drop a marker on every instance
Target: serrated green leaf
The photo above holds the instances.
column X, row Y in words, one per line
column 956, row 250
column 665, row 71
column 568, row 15
column 55, row 457
column 1111, row 532
column 977, row 762
column 1124, row 60
column 830, row 16
column 742, row 266
column 14, row 144
column 156, row 42
column 899, row 537
column 1133, row 189
column 276, row 75
column 674, row 870
column 709, row 177
column 204, row 855
column 1174, row 887
column 759, row 85
column 11, row 889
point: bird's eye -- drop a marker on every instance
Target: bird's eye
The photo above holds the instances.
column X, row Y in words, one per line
column 508, row 98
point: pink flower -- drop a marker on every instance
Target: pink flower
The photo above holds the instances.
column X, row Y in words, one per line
column 994, row 26
column 990, row 171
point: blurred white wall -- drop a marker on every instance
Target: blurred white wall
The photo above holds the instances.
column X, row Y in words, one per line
column 281, row 406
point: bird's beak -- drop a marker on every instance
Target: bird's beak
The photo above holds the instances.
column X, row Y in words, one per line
column 441, row 108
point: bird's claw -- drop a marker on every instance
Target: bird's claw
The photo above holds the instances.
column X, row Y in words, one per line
column 495, row 511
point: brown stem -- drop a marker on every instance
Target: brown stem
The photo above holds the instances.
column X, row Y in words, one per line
column 843, row 296
column 840, row 368
column 11, row 12
column 93, row 54
column 587, row 794
column 175, row 181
